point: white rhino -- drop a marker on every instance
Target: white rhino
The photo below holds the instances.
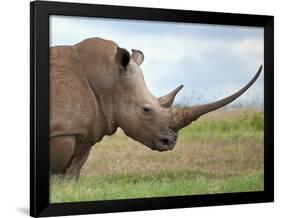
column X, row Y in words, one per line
column 96, row 87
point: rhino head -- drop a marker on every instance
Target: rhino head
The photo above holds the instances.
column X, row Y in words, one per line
column 153, row 121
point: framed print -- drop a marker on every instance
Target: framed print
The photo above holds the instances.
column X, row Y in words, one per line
column 141, row 109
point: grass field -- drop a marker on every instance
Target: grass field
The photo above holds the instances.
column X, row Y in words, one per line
column 220, row 153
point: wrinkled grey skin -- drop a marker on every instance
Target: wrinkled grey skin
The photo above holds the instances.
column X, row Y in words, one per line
column 96, row 87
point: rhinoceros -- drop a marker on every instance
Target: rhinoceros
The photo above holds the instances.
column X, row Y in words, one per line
column 96, row 87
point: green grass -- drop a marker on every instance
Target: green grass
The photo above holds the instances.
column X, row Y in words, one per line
column 245, row 126
column 165, row 184
column 220, row 153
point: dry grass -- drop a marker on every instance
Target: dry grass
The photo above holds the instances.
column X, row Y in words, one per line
column 119, row 154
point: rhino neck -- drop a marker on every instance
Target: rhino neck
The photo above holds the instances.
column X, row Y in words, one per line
column 104, row 103
column 102, row 98
column 95, row 56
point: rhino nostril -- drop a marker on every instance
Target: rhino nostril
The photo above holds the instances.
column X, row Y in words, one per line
column 165, row 141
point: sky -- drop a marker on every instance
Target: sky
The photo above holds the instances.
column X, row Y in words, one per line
column 211, row 61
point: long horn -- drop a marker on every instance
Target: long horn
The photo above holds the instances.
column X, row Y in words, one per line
column 167, row 100
column 184, row 116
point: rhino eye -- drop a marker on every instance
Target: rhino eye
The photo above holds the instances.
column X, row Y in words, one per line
column 146, row 109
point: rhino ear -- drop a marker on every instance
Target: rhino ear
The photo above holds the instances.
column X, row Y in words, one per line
column 122, row 57
column 137, row 56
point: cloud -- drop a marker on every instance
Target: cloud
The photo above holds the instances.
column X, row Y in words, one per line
column 249, row 50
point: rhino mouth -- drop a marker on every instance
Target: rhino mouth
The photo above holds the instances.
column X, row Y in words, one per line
column 165, row 141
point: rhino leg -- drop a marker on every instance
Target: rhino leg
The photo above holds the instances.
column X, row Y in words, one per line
column 61, row 151
column 73, row 169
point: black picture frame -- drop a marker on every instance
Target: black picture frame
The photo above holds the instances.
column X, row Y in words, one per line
column 39, row 107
